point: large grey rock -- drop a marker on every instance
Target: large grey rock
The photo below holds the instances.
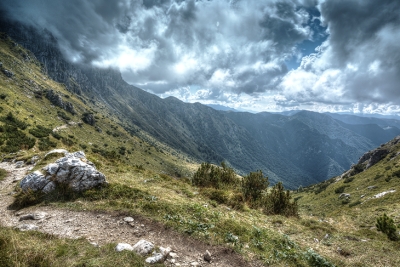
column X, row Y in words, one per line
column 73, row 170
column 34, row 181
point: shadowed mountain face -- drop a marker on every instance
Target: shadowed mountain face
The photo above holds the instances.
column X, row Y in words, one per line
column 299, row 149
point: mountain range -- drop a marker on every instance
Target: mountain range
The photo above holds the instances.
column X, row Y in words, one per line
column 298, row 148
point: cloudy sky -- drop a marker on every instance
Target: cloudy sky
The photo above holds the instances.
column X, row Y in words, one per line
column 258, row 55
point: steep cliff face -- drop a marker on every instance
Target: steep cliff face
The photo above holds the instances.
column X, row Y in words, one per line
column 300, row 149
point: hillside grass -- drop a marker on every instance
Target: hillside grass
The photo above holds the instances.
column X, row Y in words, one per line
column 355, row 218
column 33, row 248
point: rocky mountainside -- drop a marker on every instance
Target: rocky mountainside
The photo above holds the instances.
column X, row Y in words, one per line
column 299, row 150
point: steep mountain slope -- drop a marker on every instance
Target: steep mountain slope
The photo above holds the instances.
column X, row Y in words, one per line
column 39, row 114
column 299, row 150
column 311, row 142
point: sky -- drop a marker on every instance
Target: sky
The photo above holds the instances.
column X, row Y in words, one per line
column 256, row 55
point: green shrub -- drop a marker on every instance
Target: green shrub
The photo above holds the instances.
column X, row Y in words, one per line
column 67, row 141
column 63, row 115
column 386, row 225
column 340, row 189
column 358, row 202
column 213, row 176
column 40, row 131
column 10, row 120
column 279, row 202
column 56, row 135
column 46, row 144
column 348, row 180
column 253, row 185
column 15, row 139
column 316, row 260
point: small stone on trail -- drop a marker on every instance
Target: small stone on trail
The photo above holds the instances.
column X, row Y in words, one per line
column 33, row 216
column 207, row 256
column 128, row 219
column 123, row 246
column 194, row 263
column 173, row 255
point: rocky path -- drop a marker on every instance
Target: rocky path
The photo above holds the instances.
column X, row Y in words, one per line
column 102, row 228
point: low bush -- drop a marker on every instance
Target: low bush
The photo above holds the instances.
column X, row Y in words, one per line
column 63, row 115
column 340, row 189
column 40, row 131
column 253, row 185
column 10, row 120
column 15, row 139
column 279, row 202
column 213, row 176
column 386, row 225
column 45, row 144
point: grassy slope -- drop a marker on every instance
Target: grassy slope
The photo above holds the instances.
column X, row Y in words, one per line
column 355, row 221
column 150, row 192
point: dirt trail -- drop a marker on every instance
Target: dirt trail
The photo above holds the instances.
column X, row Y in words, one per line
column 102, row 228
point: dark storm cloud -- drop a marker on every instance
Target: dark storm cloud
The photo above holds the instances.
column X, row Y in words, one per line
column 358, row 63
column 355, row 23
column 238, row 46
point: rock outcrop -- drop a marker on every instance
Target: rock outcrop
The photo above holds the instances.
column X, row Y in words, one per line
column 88, row 118
column 56, row 100
column 73, row 170
column 372, row 157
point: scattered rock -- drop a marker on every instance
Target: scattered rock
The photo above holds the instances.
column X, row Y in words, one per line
column 384, row 193
column 165, row 251
column 344, row 195
column 19, row 164
column 27, row 227
column 8, row 73
column 143, row 247
column 195, row 263
column 123, row 246
column 128, row 219
column 173, row 255
column 33, row 216
column 372, row 187
column 316, row 240
column 372, row 157
column 207, row 256
column 70, row 108
column 156, row 258
column 56, row 100
column 73, row 170
column 34, row 159
column 88, row 118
